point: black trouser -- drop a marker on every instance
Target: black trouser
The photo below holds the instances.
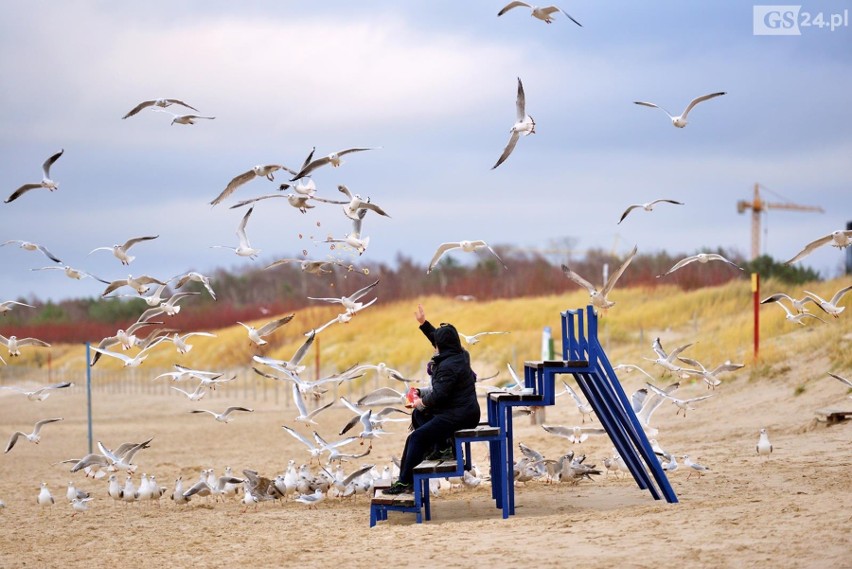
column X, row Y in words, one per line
column 429, row 431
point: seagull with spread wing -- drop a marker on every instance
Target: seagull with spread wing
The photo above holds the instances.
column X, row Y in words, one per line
column 260, row 171
column 680, row 120
column 46, row 182
column 646, row 206
column 244, row 249
column 40, row 393
column 28, row 246
column 702, row 258
column 224, row 416
column 466, row 246
column 334, row 159
column 256, row 335
column 33, row 437
column 161, row 103
column 120, row 250
column 543, row 13
column 599, row 297
column 840, row 239
column 524, row 124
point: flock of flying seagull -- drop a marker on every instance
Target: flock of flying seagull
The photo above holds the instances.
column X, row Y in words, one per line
column 310, row 487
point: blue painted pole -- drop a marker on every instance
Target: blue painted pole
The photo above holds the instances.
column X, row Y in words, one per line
column 89, row 391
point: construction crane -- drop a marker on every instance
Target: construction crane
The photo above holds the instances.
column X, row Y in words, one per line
column 758, row 206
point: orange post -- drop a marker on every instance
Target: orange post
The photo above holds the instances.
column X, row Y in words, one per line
column 755, row 289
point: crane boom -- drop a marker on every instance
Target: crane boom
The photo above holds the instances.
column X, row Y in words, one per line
column 757, row 205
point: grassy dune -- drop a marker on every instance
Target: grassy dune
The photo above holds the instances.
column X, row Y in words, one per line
column 718, row 320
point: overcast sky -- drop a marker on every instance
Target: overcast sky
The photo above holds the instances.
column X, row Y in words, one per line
column 431, row 86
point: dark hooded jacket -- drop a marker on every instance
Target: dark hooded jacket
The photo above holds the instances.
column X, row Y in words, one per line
column 453, row 392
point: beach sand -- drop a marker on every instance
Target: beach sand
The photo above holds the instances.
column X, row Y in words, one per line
column 792, row 508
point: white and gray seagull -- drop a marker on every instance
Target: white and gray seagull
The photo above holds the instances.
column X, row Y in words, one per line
column 29, row 246
column 161, row 103
column 702, row 258
column 8, row 305
column 843, row 380
column 183, row 119
column 334, row 159
column 599, row 296
column 33, row 437
column 120, row 251
column 840, row 239
column 830, row 306
column 350, row 303
column 680, row 120
column 46, row 182
column 543, row 13
column 244, row 249
column 356, row 203
column 256, row 335
column 466, row 246
column 354, row 239
column 224, row 416
column 72, row 273
column 649, row 206
column 524, row 124
column 260, row 171
column 40, row 393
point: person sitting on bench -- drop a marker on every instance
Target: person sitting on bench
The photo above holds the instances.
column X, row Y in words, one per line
column 451, row 403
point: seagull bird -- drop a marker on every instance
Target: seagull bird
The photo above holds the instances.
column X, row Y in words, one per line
column 830, row 307
column 44, row 498
column 584, row 408
column 41, row 393
column 574, row 434
column 224, row 416
column 256, row 334
column 46, row 182
column 350, row 303
column 543, row 13
column 14, row 344
column 342, row 318
column 763, row 444
column 8, row 305
column 352, row 208
column 701, row 258
column 304, row 416
column 72, row 273
column 694, row 466
column 260, row 171
column 33, row 437
column 183, row 119
column 842, row 380
column 798, row 304
column 798, row 317
column 471, row 340
column 119, row 459
column 28, row 246
column 161, row 103
column 120, row 251
column 292, row 366
column 307, row 265
column 354, row 238
column 311, row 500
column 664, row 360
column 840, row 239
column 682, row 404
column 466, row 246
column 709, row 376
column 523, row 125
column 180, row 341
column 599, row 297
column 196, row 395
column 680, row 121
column 646, row 206
column 134, row 361
column 334, row 159
column 139, row 284
column 195, row 277
column 244, row 249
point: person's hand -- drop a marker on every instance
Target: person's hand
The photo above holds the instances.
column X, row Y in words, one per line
column 420, row 314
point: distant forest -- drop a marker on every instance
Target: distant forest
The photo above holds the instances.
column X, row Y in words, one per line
column 253, row 292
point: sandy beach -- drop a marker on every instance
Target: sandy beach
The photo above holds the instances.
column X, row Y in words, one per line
column 789, row 509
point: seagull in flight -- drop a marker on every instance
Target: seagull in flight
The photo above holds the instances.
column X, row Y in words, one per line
column 293, row 366
column 307, row 265
column 798, row 317
column 543, row 13
column 471, row 340
column 46, row 182
column 161, row 103
column 350, row 303
column 14, row 344
column 466, row 246
column 709, row 376
column 354, row 238
column 343, row 317
column 649, row 206
column 27, row 246
column 524, row 124
column 224, row 416
column 682, row 404
column 33, row 437
column 120, row 251
column 244, row 249
column 840, row 239
column 183, row 119
column 195, row 277
column 574, row 434
column 703, row 258
column 599, row 297
column 830, row 306
column 8, row 305
column 665, row 360
column 798, row 304
column 680, row 120
column 139, row 284
column 356, row 203
column 334, row 159
column 256, row 334
column 260, row 171
column 72, row 273
column 843, row 380
column 41, row 393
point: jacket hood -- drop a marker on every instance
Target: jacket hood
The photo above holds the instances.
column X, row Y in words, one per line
column 447, row 339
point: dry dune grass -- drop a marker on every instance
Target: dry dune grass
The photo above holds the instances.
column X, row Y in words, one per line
column 786, row 510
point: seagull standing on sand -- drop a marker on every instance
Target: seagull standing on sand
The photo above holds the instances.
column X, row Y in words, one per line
column 646, row 206
column 680, row 121
column 524, row 125
column 244, row 249
column 28, row 246
column 599, row 297
column 466, row 246
column 33, row 437
column 694, row 466
column 120, row 251
column 44, row 498
column 256, row 335
column 703, row 258
column 46, row 182
column 543, row 13
column 840, row 239
column 161, row 103
column 763, row 444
